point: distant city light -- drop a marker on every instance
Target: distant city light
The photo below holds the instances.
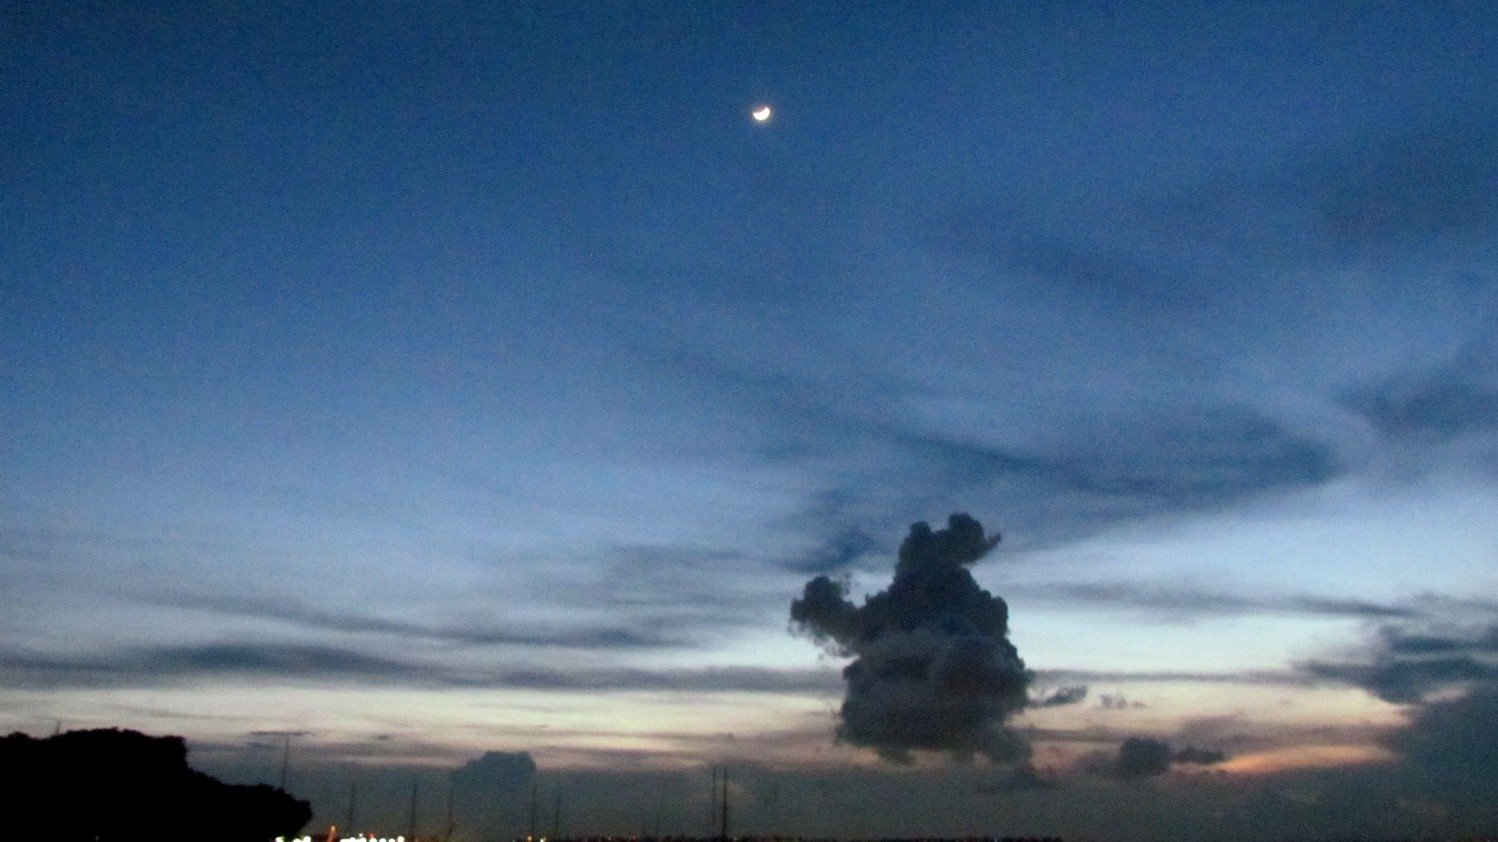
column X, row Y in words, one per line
column 360, row 838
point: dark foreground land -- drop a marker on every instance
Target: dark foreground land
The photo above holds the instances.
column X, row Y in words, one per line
column 111, row 784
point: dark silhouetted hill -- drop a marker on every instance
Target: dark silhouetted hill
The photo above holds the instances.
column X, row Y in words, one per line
column 111, row 784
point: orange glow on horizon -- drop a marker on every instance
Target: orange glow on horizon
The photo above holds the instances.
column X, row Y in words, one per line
column 1305, row 757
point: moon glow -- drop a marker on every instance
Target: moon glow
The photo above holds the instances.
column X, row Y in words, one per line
column 760, row 114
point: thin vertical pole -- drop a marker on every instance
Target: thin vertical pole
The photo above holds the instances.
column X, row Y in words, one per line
column 451, row 786
column 533, row 807
column 412, row 837
column 725, row 803
column 712, row 807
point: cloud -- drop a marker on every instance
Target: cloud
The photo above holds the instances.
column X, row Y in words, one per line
column 876, row 455
column 1408, row 681
column 1024, row 777
column 933, row 667
column 1078, row 264
column 291, row 611
column 165, row 665
column 1446, row 672
column 1063, row 696
column 295, row 663
column 683, row 582
column 504, row 771
column 1442, row 403
column 1198, row 756
column 704, row 680
column 1146, row 757
column 841, row 550
column 641, row 597
column 1184, row 600
column 1115, row 701
column 1406, row 663
column 484, row 786
column 1374, row 195
column 1141, row 757
column 1264, row 678
column 1452, row 739
column 1436, row 184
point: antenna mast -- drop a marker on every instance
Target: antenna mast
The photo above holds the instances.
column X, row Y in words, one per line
column 414, row 784
column 724, row 834
column 712, row 807
column 451, row 786
column 533, row 808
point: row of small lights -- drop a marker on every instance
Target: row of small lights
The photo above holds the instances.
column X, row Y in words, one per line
column 360, row 838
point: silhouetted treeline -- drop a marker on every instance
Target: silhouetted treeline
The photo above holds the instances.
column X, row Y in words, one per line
column 111, row 784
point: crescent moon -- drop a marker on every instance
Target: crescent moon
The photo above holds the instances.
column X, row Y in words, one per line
column 761, row 113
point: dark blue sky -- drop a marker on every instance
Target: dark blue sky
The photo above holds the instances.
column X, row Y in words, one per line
column 433, row 348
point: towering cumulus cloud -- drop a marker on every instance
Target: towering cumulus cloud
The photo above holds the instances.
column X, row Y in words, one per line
column 933, row 667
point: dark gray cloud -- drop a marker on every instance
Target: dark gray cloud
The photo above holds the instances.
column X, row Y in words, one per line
column 1442, row 403
column 933, row 667
column 682, row 582
column 1398, row 641
column 1141, row 757
column 1446, row 671
column 1117, row 701
column 1452, row 739
column 1407, row 681
column 1267, row 678
column 841, row 550
column 1033, row 251
column 170, row 665
column 1406, row 663
column 1436, row 184
column 483, row 788
column 1191, row 461
column 1177, row 600
column 654, row 594
column 1058, row 698
column 876, row 459
column 1146, row 757
column 705, row 680
column 1370, row 196
column 293, row 663
column 1198, row 756
column 1024, row 777
column 291, row 611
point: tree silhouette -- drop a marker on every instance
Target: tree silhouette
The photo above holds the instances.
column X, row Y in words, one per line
column 110, row 784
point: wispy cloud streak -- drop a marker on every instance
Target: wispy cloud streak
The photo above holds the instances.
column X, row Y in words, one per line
column 290, row 611
column 1188, row 601
column 295, row 663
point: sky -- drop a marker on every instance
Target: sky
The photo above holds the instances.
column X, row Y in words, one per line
column 464, row 394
